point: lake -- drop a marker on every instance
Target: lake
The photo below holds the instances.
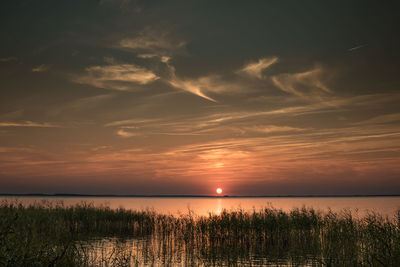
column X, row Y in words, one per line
column 205, row 205
column 103, row 237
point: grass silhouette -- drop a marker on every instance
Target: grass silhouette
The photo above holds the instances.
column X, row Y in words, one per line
column 51, row 234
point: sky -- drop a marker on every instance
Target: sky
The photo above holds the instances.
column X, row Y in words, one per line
column 181, row 97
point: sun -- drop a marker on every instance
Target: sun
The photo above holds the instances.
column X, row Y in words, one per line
column 219, row 191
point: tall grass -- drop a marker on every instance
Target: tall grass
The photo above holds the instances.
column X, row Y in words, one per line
column 50, row 234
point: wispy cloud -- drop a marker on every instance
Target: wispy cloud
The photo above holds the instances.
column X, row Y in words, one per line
column 255, row 69
column 382, row 119
column 41, row 68
column 27, row 124
column 7, row 59
column 245, row 123
column 163, row 59
column 123, row 133
column 296, row 151
column 273, row 129
column 151, row 40
column 192, row 86
column 81, row 104
column 203, row 86
column 356, row 47
column 242, row 122
column 305, row 84
column 130, row 122
column 117, row 77
column 147, row 55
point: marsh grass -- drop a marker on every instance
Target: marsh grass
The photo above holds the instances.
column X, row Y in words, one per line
column 51, row 234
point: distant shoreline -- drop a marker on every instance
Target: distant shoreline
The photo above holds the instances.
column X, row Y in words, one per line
column 194, row 196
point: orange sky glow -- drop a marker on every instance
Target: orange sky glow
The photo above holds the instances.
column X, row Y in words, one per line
column 128, row 97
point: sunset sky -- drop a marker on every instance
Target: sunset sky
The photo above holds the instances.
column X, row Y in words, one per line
column 181, row 97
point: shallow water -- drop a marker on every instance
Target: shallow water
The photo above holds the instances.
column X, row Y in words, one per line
column 153, row 252
column 244, row 239
column 386, row 206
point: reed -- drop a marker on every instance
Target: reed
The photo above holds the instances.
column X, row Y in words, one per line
column 51, row 234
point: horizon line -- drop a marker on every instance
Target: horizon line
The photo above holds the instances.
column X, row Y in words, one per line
column 190, row 195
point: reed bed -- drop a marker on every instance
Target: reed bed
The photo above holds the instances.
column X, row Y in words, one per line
column 51, row 234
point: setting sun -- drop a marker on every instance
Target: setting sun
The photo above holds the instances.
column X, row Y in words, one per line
column 140, row 108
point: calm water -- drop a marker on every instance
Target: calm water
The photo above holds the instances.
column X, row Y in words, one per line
column 203, row 206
